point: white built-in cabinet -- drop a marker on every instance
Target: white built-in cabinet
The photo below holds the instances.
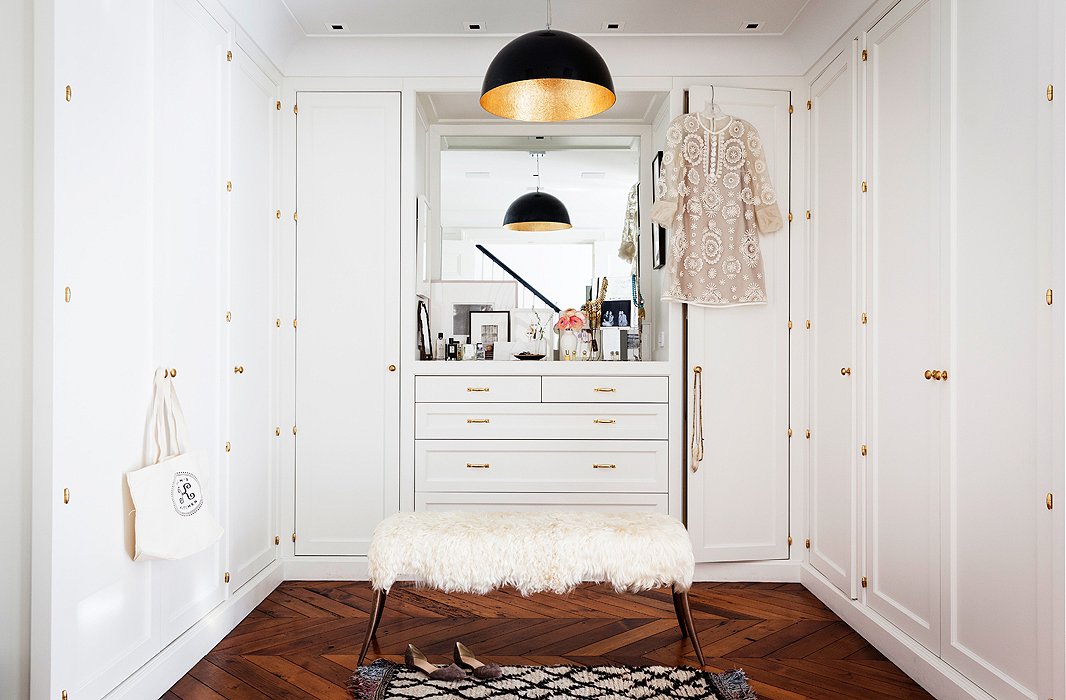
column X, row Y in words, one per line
column 252, row 325
column 152, row 254
column 835, row 290
column 930, row 264
column 738, row 506
column 347, row 311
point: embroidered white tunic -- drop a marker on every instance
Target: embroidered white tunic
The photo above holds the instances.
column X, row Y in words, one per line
column 715, row 194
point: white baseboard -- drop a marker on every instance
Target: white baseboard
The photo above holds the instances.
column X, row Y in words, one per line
column 927, row 669
column 763, row 571
column 157, row 676
column 325, row 569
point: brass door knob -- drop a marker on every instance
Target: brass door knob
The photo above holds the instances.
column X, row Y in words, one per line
column 845, row 371
column 239, row 369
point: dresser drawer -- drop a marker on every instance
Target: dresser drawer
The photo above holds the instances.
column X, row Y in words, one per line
column 606, row 389
column 514, row 421
column 477, row 388
column 541, row 466
column 584, row 502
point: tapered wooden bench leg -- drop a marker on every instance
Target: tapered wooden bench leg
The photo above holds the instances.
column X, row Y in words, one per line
column 683, row 597
column 680, row 614
column 372, row 623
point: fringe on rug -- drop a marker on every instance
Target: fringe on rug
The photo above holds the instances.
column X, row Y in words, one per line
column 733, row 685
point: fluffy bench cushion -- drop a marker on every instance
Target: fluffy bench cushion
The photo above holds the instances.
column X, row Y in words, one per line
column 531, row 551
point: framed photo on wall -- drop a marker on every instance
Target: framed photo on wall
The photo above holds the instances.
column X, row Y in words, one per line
column 658, row 233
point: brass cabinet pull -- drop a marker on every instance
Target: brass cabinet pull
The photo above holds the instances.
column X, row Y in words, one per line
column 928, row 374
column 392, row 368
column 239, row 369
column 845, row 371
column 476, row 466
column 605, row 389
column 604, row 421
column 938, row 375
column 477, row 420
column 944, row 375
column 604, row 466
column 477, row 388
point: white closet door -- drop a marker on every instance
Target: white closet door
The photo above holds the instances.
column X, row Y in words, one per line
column 908, row 317
column 997, row 592
column 347, row 400
column 738, row 499
column 250, row 466
column 190, row 252
column 102, row 622
column 835, row 292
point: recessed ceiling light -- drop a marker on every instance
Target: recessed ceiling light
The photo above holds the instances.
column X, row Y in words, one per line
column 335, row 27
column 613, row 26
column 750, row 26
column 474, row 26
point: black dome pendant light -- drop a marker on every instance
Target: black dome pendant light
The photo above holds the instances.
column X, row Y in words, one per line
column 547, row 76
column 537, row 211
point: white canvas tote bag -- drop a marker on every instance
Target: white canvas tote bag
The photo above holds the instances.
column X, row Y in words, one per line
column 173, row 514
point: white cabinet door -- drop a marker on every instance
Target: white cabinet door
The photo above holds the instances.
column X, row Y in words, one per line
column 191, row 164
column 738, row 498
column 101, row 623
column 347, row 401
column 997, row 592
column 835, row 292
column 908, row 317
column 251, row 470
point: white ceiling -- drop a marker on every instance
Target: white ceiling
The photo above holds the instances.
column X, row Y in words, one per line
column 510, row 17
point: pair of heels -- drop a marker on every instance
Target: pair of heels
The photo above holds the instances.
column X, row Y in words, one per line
column 463, row 659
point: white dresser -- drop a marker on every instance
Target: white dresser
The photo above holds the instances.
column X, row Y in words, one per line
column 505, row 442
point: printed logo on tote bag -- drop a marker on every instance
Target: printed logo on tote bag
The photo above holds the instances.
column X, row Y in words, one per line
column 186, row 493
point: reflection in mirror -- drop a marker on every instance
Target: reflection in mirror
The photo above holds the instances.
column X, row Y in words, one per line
column 595, row 179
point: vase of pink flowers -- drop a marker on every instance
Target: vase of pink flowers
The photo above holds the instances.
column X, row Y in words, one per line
column 569, row 324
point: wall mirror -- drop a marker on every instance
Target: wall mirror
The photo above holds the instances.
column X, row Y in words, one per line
column 482, row 175
column 594, row 176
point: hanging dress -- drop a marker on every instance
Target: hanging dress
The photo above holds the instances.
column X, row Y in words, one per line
column 714, row 193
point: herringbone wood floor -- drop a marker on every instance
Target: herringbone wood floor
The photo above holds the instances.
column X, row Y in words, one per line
column 302, row 641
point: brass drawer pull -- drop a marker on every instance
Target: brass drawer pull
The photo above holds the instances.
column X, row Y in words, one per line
column 478, row 420
column 476, row 466
column 477, row 388
column 605, row 389
column 604, row 421
column 604, row 466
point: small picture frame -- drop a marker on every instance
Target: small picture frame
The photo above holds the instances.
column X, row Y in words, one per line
column 616, row 314
column 488, row 327
column 658, row 237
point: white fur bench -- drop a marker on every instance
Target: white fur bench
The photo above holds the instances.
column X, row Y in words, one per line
column 478, row 552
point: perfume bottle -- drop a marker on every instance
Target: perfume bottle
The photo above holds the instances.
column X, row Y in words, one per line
column 440, row 352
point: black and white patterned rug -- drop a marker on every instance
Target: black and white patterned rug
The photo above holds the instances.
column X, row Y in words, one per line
column 385, row 680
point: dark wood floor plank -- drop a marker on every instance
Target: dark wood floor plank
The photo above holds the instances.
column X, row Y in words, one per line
column 301, row 642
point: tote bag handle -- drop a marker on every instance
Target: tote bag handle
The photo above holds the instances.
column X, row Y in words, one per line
column 169, row 431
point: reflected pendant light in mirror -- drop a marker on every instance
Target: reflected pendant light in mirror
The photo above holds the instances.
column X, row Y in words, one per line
column 547, row 76
column 537, row 211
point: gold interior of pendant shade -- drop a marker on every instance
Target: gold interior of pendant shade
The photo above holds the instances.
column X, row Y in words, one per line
column 537, row 226
column 547, row 100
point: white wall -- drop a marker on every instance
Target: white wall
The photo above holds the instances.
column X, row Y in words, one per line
column 16, row 125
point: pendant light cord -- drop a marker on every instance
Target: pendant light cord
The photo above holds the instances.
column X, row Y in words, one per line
column 549, row 12
column 537, row 157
